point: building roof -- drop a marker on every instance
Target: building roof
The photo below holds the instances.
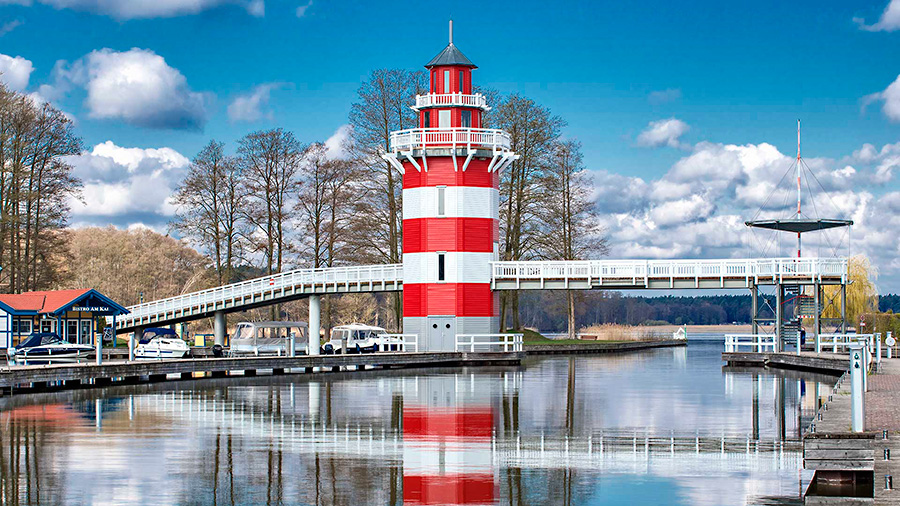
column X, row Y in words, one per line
column 450, row 56
column 52, row 302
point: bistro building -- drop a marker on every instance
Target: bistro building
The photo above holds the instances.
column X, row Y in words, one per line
column 77, row 316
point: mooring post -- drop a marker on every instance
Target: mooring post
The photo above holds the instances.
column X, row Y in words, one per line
column 878, row 351
column 857, row 393
column 315, row 314
column 219, row 328
column 889, row 342
column 291, row 351
column 135, row 339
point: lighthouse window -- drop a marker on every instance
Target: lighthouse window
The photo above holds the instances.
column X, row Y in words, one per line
column 440, row 200
column 444, row 118
column 427, row 119
column 446, row 81
column 466, row 119
column 440, row 267
column 460, row 84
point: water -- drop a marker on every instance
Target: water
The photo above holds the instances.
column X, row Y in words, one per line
column 642, row 428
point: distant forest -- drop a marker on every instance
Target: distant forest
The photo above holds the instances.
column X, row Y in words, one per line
column 889, row 302
column 544, row 310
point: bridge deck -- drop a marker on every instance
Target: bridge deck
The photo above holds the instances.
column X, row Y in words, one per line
column 550, row 275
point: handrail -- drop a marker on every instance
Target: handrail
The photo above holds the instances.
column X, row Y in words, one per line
column 451, row 99
column 406, row 341
column 318, row 276
column 757, row 342
column 507, row 342
column 637, row 270
column 419, row 138
column 837, row 340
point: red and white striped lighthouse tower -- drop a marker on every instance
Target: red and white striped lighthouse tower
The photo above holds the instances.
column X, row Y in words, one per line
column 451, row 173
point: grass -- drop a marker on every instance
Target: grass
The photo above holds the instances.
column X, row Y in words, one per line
column 532, row 338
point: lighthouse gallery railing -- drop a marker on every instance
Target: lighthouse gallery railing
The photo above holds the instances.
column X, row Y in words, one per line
column 419, row 138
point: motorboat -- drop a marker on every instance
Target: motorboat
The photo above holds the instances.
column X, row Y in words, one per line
column 46, row 347
column 361, row 338
column 269, row 338
column 161, row 343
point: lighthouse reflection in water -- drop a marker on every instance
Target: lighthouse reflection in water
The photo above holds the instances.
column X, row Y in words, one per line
column 662, row 427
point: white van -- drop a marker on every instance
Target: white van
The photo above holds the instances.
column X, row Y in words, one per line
column 360, row 339
column 269, row 338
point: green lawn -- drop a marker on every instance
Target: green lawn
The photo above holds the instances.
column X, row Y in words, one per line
column 532, row 338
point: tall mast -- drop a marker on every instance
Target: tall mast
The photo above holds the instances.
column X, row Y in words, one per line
column 798, row 185
column 451, row 31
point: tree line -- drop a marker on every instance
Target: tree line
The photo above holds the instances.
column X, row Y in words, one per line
column 281, row 203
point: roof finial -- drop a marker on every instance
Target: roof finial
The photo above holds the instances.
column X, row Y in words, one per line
column 451, row 31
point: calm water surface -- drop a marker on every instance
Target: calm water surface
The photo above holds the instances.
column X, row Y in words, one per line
column 643, row 428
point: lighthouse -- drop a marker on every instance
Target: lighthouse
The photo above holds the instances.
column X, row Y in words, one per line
column 451, row 169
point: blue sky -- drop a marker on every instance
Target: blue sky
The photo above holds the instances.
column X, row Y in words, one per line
column 711, row 86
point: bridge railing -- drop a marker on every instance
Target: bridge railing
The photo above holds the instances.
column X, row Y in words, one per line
column 758, row 343
column 489, row 342
column 636, row 270
column 329, row 276
column 840, row 343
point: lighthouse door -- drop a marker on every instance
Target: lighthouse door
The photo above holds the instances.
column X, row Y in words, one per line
column 441, row 333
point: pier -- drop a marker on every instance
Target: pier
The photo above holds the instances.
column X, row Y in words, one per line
column 70, row 375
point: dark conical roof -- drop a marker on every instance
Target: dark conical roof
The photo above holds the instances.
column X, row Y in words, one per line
column 450, row 56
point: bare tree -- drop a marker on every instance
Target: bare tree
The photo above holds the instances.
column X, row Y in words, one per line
column 269, row 161
column 209, row 201
column 533, row 131
column 569, row 226
column 36, row 184
column 326, row 202
column 383, row 106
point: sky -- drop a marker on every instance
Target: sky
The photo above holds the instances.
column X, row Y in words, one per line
column 686, row 111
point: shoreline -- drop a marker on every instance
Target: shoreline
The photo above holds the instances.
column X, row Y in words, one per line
column 597, row 347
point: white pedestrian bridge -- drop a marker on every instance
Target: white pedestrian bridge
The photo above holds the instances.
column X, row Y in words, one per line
column 526, row 275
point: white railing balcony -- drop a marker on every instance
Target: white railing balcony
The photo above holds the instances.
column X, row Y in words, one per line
column 421, row 138
column 758, row 343
column 451, row 100
column 489, row 342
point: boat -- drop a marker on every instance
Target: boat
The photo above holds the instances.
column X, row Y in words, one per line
column 46, row 347
column 269, row 338
column 161, row 343
column 361, row 338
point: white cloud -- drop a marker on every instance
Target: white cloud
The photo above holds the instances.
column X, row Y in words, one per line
column 252, row 106
column 9, row 26
column 136, row 86
column 665, row 132
column 889, row 21
column 663, row 96
column 301, row 10
column 336, row 146
column 124, row 186
column 891, row 98
column 135, row 9
column 15, row 71
column 693, row 208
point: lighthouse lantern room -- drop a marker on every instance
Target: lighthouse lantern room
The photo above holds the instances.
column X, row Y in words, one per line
column 451, row 174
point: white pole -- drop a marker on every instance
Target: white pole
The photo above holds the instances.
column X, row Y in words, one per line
column 314, row 324
column 857, row 394
column 877, row 351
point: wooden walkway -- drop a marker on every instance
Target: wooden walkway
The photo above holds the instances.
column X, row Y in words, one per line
column 120, row 371
column 830, row 363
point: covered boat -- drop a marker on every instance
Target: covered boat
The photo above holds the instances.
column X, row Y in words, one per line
column 161, row 343
column 45, row 347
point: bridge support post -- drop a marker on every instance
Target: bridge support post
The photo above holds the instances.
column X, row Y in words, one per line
column 779, row 317
column 817, row 327
column 219, row 328
column 135, row 339
column 754, row 310
column 314, row 323
column 843, row 309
